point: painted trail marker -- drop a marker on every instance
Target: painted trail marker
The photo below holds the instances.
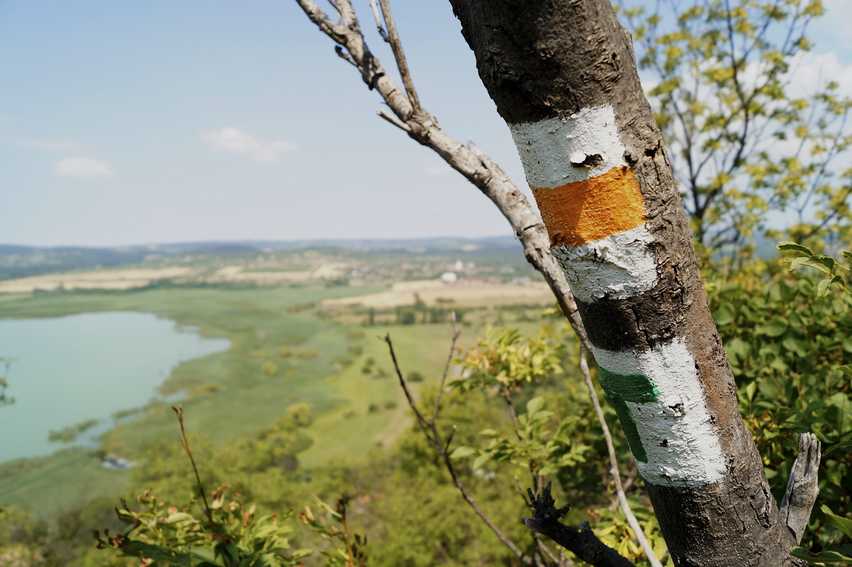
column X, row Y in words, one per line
column 661, row 405
column 596, row 218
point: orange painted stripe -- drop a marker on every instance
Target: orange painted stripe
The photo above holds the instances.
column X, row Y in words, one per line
column 595, row 208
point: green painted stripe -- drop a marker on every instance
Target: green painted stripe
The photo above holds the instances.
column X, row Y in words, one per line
column 621, row 388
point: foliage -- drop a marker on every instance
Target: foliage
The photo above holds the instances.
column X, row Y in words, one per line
column 833, row 272
column 226, row 532
column 548, row 432
column 348, row 549
column 841, row 554
column 541, row 443
column 505, row 360
column 789, row 346
column 231, row 535
column 743, row 140
column 744, row 145
column 22, row 539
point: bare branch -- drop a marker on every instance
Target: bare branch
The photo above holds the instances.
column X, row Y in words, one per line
column 468, row 160
column 442, row 385
column 802, row 487
column 404, row 385
column 345, row 56
column 378, row 19
column 613, row 467
column 399, row 55
column 393, row 121
column 321, row 19
column 184, row 441
column 442, row 451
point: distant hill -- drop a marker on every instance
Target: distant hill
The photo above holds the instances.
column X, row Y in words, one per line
column 18, row 261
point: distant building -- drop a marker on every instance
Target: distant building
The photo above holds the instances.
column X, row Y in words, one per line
column 449, row 277
column 113, row 462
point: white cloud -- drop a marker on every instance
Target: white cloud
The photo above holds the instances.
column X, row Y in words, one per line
column 82, row 167
column 809, row 72
column 838, row 14
column 238, row 142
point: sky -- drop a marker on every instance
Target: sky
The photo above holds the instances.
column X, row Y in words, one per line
column 163, row 121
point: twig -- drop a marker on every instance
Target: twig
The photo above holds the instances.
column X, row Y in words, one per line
column 442, row 450
column 613, row 466
column 378, row 19
column 442, row 385
column 399, row 55
column 393, row 121
column 185, row 442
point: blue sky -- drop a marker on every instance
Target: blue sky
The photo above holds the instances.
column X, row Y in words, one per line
column 158, row 121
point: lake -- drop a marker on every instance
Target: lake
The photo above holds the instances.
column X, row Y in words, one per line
column 66, row 370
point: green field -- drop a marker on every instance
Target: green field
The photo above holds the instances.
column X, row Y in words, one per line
column 282, row 351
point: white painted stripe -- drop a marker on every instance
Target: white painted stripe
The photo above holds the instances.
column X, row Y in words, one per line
column 618, row 266
column 681, row 442
column 548, row 147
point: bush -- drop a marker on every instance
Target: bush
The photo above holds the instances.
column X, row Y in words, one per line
column 415, row 376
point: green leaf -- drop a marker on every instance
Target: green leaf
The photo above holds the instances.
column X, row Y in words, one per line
column 795, row 346
column 535, row 405
column 794, row 247
column 178, row 517
column 810, row 263
column 737, row 348
column 462, row 452
column 480, row 461
column 823, row 287
column 724, row 315
column 841, row 523
column 840, row 556
column 776, row 328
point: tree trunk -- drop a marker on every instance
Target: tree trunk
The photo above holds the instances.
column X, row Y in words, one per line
column 563, row 76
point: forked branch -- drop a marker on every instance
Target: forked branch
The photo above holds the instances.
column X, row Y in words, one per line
column 407, row 114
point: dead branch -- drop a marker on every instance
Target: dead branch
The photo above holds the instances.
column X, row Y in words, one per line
column 399, row 55
column 582, row 541
column 802, row 487
column 468, row 160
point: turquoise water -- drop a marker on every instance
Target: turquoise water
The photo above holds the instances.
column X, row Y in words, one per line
column 69, row 369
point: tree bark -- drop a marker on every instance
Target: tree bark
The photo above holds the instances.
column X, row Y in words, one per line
column 563, row 76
